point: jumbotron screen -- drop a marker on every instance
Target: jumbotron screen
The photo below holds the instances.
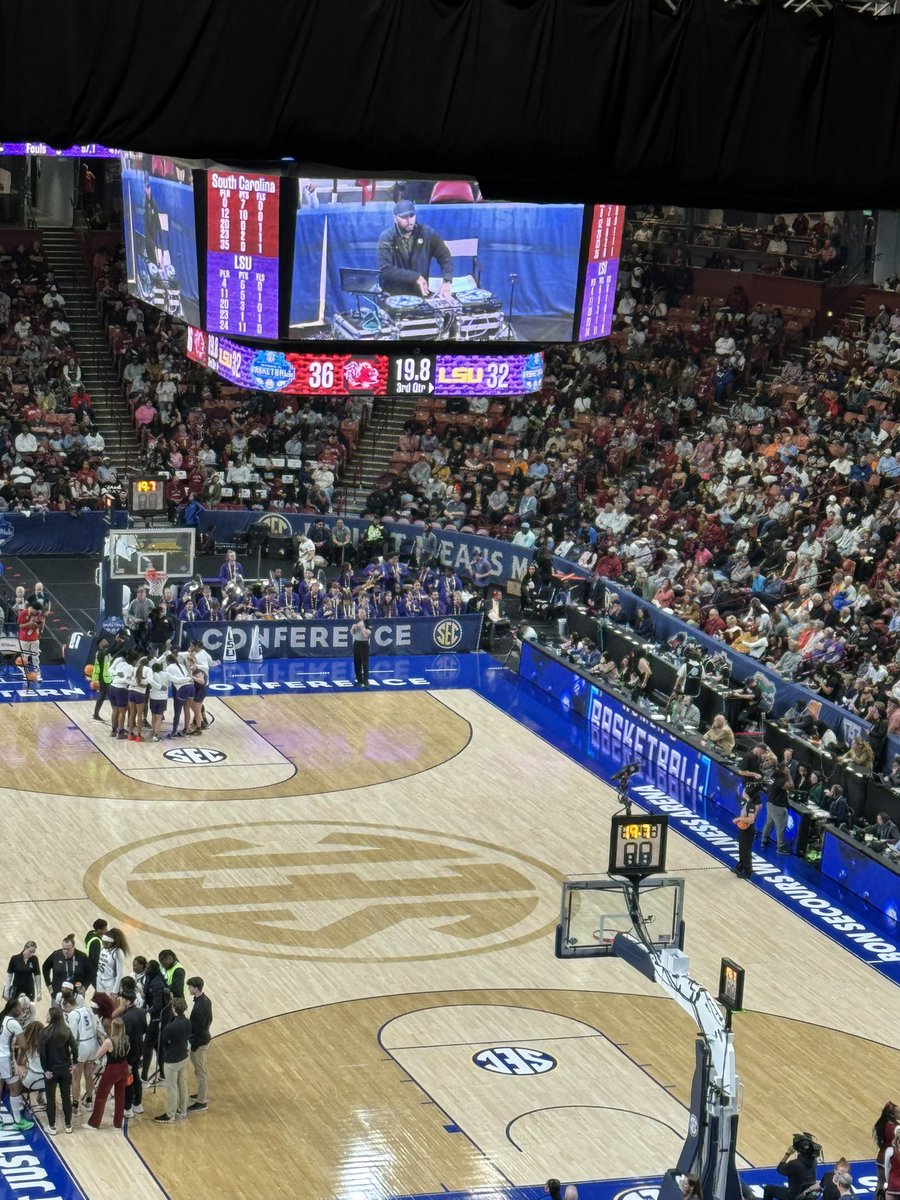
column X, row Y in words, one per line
column 160, row 238
column 426, row 261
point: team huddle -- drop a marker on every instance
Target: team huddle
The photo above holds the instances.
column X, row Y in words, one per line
column 138, row 688
column 91, row 1047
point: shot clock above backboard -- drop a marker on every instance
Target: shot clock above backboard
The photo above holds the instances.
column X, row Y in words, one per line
column 637, row 845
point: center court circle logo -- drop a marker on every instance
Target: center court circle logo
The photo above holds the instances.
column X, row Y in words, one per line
column 514, row 1060
column 328, row 890
column 194, row 756
column 447, row 634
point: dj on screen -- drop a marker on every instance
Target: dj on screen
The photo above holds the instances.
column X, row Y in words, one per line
column 405, row 251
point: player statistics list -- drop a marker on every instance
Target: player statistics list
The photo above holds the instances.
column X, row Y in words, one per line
column 242, row 254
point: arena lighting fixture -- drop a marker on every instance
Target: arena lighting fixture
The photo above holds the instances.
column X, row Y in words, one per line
column 819, row 7
column 875, row 8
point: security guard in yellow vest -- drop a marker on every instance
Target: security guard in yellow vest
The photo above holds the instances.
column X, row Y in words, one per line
column 174, row 973
column 93, row 944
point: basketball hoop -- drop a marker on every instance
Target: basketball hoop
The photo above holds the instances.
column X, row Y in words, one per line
column 156, row 582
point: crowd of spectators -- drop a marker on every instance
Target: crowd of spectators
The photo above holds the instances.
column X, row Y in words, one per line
column 801, row 246
column 710, row 462
column 214, row 440
column 703, row 457
column 51, row 454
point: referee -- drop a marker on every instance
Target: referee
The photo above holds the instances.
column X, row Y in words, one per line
column 361, row 633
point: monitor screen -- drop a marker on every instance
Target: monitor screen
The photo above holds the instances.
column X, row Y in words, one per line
column 242, row 253
column 598, row 296
column 428, row 261
column 160, row 238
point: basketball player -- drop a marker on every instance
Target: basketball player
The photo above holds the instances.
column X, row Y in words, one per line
column 182, row 687
column 121, row 677
column 137, row 698
column 10, row 1029
column 160, row 683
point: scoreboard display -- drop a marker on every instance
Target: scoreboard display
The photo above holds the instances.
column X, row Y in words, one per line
column 373, row 374
column 242, row 253
column 147, row 495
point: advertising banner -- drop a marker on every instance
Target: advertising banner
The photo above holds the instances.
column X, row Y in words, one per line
column 329, row 639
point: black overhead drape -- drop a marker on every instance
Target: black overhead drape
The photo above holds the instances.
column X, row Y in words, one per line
column 612, row 100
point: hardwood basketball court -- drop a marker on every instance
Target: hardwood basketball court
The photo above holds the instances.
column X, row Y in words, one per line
column 369, row 884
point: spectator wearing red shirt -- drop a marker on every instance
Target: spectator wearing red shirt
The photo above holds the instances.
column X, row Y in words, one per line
column 713, row 625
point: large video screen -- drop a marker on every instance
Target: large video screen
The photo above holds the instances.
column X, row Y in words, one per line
column 242, row 253
column 598, row 295
column 425, row 261
column 160, row 236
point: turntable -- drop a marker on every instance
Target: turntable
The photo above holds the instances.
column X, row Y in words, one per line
column 412, row 317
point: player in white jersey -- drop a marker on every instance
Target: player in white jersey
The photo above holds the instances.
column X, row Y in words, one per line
column 121, row 678
column 87, row 1031
column 205, row 661
column 160, row 683
column 10, row 1029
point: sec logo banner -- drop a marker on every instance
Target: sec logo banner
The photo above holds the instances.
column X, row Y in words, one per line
column 447, row 634
column 194, row 756
column 514, row 1060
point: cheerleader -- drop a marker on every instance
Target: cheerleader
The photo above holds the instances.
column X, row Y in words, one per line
column 137, row 699
column 121, row 679
column 205, row 661
column 182, row 687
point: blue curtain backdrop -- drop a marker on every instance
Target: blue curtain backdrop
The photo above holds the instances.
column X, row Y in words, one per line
column 176, row 200
column 538, row 243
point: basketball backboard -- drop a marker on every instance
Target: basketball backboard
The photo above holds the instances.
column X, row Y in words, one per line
column 595, row 910
column 133, row 552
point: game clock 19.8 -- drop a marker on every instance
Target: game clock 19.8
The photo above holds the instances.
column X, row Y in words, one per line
column 637, row 845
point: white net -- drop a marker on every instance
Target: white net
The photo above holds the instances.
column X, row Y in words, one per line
column 156, row 582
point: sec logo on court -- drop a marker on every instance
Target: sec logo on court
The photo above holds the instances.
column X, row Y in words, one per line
column 447, row 634
column 194, row 756
column 514, row 1060
column 328, row 890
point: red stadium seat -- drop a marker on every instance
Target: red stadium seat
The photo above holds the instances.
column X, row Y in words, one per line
column 452, row 191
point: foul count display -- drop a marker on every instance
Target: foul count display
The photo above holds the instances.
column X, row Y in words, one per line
column 242, row 253
column 637, row 845
column 370, row 374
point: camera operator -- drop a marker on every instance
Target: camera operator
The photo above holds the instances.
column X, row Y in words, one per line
column 798, row 1166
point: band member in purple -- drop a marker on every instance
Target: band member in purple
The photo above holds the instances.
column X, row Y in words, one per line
column 449, row 583
column 231, row 570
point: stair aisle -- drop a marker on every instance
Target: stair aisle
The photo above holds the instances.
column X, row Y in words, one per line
column 64, row 249
column 374, row 452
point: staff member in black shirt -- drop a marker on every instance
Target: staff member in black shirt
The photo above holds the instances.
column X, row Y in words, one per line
column 361, row 632
column 201, row 1021
column 23, row 974
column 173, row 1047
column 800, row 1172
column 404, row 254
column 777, row 808
column 59, row 1055
column 66, row 965
column 134, row 1018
